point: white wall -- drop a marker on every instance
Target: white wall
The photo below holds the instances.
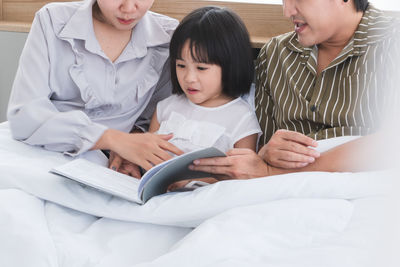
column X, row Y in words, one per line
column 386, row 4
column 11, row 44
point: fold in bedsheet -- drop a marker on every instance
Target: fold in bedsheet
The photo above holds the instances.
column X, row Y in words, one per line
column 304, row 219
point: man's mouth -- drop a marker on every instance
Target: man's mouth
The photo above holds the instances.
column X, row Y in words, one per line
column 299, row 27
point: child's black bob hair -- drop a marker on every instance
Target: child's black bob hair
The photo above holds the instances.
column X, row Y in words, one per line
column 217, row 36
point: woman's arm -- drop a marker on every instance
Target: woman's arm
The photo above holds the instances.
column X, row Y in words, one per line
column 33, row 118
column 143, row 149
column 363, row 154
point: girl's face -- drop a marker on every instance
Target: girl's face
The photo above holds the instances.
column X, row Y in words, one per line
column 201, row 82
column 123, row 14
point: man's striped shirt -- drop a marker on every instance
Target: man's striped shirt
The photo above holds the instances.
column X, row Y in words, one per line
column 346, row 98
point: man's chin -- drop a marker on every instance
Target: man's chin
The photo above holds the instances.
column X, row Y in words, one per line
column 305, row 42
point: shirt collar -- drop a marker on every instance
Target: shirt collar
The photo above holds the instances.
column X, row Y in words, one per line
column 80, row 25
column 149, row 32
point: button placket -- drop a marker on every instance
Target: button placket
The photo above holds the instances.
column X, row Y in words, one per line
column 318, row 92
column 111, row 77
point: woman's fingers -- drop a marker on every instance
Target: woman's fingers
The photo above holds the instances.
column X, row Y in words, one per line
column 144, row 149
column 170, row 147
column 115, row 161
column 155, row 159
column 161, row 153
column 165, row 137
column 130, row 169
column 146, row 165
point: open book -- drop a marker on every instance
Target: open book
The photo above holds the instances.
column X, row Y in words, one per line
column 154, row 182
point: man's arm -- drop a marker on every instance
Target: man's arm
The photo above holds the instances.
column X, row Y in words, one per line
column 363, row 154
column 283, row 148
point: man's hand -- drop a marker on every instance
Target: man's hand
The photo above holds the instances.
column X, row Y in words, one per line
column 143, row 149
column 123, row 166
column 240, row 163
column 289, row 150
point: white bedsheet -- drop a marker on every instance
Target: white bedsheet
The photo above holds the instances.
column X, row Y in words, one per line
column 304, row 219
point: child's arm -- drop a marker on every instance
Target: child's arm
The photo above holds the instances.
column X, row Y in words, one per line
column 154, row 124
column 247, row 142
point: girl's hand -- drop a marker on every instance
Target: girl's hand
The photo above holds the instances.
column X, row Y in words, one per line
column 143, row 149
column 240, row 163
column 121, row 165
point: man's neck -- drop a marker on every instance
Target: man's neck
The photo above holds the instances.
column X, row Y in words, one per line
column 330, row 49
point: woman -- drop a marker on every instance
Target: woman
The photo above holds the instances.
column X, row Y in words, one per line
column 87, row 73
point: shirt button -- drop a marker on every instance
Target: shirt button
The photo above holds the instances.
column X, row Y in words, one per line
column 313, row 108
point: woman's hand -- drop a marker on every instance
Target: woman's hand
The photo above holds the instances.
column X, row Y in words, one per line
column 121, row 165
column 240, row 163
column 143, row 149
column 289, row 150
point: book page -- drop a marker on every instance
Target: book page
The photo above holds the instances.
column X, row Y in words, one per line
column 101, row 178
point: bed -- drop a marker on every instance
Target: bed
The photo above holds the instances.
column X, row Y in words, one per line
column 304, row 219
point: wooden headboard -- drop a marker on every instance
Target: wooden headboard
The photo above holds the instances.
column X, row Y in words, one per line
column 262, row 20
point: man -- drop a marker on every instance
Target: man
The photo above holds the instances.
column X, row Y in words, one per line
column 323, row 80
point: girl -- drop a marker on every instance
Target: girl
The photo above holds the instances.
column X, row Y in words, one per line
column 87, row 72
column 211, row 67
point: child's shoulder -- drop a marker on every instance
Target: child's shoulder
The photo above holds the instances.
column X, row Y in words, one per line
column 173, row 99
column 240, row 104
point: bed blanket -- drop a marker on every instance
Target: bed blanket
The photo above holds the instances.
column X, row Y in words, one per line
column 304, row 219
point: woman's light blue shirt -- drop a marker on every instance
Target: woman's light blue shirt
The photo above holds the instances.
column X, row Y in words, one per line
column 67, row 92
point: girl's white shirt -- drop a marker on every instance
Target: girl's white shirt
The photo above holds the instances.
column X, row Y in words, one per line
column 196, row 127
column 67, row 92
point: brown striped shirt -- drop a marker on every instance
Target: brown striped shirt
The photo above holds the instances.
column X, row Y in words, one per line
column 346, row 98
